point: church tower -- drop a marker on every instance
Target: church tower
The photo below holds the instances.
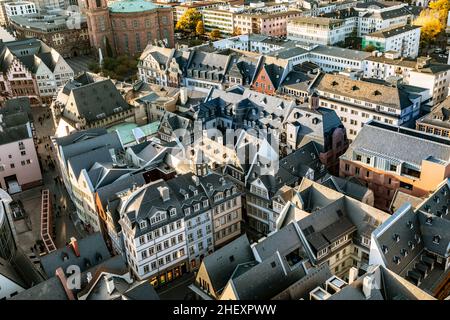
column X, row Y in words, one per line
column 99, row 25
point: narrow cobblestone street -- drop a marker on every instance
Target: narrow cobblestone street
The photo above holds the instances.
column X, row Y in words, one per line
column 63, row 208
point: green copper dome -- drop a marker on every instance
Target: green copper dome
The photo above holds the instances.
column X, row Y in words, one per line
column 129, row 6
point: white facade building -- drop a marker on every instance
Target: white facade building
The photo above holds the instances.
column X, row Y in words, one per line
column 356, row 102
column 319, row 30
column 20, row 8
column 434, row 77
column 404, row 39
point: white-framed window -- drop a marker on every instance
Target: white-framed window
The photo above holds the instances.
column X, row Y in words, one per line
column 197, row 207
column 173, row 212
column 205, row 203
column 187, row 211
column 321, row 253
column 143, row 224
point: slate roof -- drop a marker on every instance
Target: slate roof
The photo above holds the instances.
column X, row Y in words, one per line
column 349, row 187
column 266, row 279
column 82, row 142
column 341, row 52
column 221, row 264
column 93, row 251
column 406, row 145
column 392, row 32
column 94, row 101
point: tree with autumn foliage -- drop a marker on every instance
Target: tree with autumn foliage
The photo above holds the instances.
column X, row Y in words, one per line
column 189, row 20
column 441, row 7
column 431, row 26
column 215, row 34
column 200, row 28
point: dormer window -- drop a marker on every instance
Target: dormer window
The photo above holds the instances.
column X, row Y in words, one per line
column 411, row 245
column 396, row 259
column 186, row 196
column 173, row 212
column 205, row 203
column 417, row 238
column 396, row 237
column 195, row 192
column 143, row 224
column 197, row 207
column 187, row 211
column 436, row 239
column 404, row 252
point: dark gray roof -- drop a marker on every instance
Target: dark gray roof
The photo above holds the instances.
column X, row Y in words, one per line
column 221, row 264
column 8, row 271
column 406, row 145
column 15, row 133
column 94, row 101
column 82, row 142
column 350, row 187
column 392, row 32
column 284, row 241
column 93, row 251
column 266, row 279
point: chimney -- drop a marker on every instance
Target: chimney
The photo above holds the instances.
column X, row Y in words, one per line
column 109, row 279
column 314, row 101
column 74, row 245
column 368, row 282
column 62, row 278
column 352, row 275
column 164, row 192
column 183, row 95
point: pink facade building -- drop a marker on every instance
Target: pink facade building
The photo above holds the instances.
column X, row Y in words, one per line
column 269, row 24
column 19, row 164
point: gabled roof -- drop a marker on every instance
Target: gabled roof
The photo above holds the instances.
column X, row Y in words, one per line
column 406, row 145
column 221, row 264
column 93, row 251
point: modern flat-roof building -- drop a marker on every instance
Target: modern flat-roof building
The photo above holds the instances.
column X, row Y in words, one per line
column 404, row 40
column 413, row 162
column 67, row 34
column 420, row 72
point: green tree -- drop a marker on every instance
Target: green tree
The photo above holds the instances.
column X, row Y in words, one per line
column 215, row 34
column 188, row 21
column 200, row 28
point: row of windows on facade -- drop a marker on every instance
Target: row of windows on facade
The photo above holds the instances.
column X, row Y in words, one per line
column 157, row 233
column 226, row 231
column 13, row 166
column 146, row 253
column 164, row 260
